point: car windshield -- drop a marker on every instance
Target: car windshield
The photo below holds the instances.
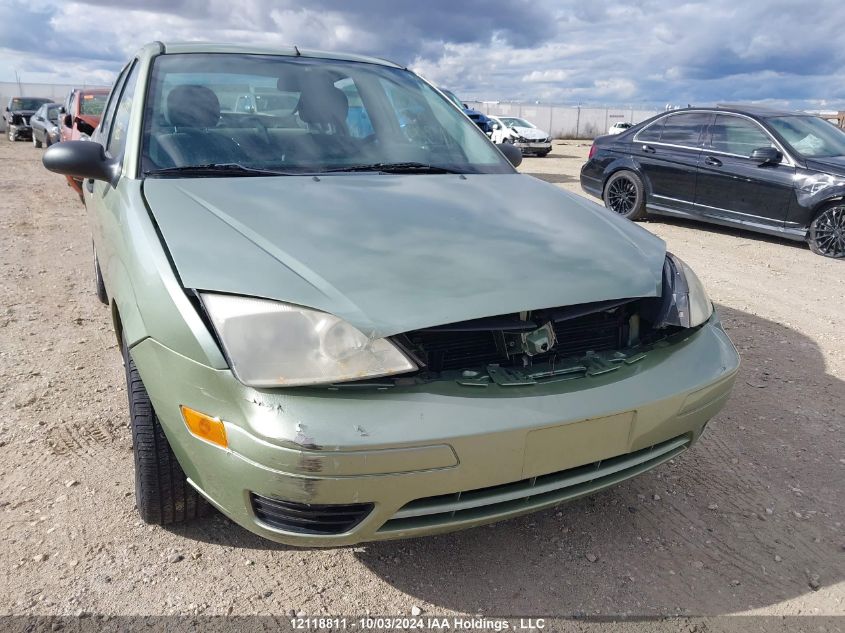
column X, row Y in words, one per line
column 453, row 98
column 24, row 103
column 810, row 136
column 92, row 104
column 303, row 115
column 515, row 122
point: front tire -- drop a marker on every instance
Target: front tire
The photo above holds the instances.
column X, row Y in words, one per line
column 35, row 140
column 12, row 134
column 162, row 494
column 624, row 194
column 826, row 236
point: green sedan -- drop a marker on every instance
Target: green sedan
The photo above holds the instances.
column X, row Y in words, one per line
column 346, row 317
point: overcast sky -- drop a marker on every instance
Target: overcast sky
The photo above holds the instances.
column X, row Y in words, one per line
column 593, row 52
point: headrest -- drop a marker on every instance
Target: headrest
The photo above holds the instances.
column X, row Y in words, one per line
column 193, row 106
column 320, row 102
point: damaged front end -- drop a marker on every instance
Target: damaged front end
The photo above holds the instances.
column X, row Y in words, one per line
column 554, row 344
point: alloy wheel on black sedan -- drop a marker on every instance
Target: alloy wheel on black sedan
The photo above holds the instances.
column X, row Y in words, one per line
column 827, row 232
column 623, row 194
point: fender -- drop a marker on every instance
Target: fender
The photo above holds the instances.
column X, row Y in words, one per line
column 808, row 204
column 145, row 289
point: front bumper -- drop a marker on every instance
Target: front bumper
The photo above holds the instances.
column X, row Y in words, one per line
column 534, row 146
column 442, row 457
column 21, row 131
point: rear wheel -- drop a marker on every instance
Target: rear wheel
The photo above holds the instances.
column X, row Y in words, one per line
column 624, row 194
column 827, row 232
column 162, row 494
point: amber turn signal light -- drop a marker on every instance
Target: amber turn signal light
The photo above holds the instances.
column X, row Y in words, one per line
column 205, row 427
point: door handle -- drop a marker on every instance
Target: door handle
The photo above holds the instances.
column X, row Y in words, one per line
column 710, row 160
column 648, row 149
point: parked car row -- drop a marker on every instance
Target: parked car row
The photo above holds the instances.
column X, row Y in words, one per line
column 511, row 130
column 46, row 123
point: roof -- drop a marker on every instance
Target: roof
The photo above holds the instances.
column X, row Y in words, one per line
column 757, row 110
column 156, row 48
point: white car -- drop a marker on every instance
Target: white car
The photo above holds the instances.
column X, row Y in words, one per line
column 619, row 127
column 525, row 135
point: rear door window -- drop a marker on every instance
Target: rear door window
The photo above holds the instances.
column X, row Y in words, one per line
column 736, row 135
column 108, row 113
column 120, row 126
column 652, row 132
column 685, row 129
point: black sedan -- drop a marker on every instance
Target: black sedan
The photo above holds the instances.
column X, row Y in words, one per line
column 781, row 173
column 45, row 125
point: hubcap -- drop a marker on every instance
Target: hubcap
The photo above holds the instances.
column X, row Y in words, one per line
column 830, row 232
column 622, row 196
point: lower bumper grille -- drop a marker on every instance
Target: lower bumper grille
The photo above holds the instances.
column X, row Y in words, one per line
column 530, row 494
column 304, row 518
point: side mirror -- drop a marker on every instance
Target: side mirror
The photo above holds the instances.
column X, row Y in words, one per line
column 511, row 152
column 67, row 121
column 766, row 156
column 81, row 159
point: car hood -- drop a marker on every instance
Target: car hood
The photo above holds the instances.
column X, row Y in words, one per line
column 393, row 253
column 831, row 165
column 530, row 132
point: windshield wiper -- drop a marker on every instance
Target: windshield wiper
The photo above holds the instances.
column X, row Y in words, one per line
column 215, row 169
column 397, row 168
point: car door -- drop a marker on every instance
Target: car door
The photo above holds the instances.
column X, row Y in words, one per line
column 66, row 131
column 732, row 186
column 101, row 197
column 36, row 122
column 667, row 152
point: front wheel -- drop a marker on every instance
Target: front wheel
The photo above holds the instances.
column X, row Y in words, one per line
column 827, row 232
column 624, row 194
column 162, row 494
column 12, row 134
column 35, row 140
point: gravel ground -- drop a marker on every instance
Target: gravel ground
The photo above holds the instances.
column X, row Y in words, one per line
column 750, row 520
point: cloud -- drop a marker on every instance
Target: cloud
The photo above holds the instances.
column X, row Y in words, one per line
column 606, row 51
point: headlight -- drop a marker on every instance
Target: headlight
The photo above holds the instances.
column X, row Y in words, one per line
column 686, row 303
column 273, row 344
